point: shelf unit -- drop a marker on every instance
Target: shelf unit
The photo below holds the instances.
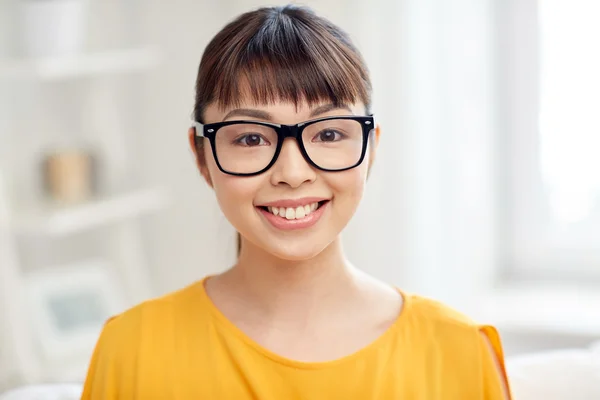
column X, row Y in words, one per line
column 60, row 221
column 118, row 211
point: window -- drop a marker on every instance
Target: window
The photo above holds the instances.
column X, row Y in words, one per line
column 551, row 64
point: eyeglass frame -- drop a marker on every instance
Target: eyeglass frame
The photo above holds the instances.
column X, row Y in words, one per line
column 283, row 131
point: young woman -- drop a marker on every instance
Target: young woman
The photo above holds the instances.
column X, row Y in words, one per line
column 284, row 135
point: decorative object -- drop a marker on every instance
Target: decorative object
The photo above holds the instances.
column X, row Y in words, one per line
column 69, row 175
column 53, row 27
column 69, row 306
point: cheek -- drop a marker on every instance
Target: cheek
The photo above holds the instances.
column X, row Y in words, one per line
column 235, row 196
column 348, row 186
column 234, row 193
column 231, row 191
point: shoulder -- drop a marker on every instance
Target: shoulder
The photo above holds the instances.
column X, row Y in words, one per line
column 126, row 335
column 435, row 315
column 447, row 323
column 156, row 312
column 138, row 338
column 445, row 332
column 454, row 339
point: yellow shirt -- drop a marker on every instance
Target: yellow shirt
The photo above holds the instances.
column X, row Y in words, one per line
column 181, row 347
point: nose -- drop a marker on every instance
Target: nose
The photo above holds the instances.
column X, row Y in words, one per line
column 291, row 168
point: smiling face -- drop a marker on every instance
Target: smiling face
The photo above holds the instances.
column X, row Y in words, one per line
column 283, row 65
column 293, row 210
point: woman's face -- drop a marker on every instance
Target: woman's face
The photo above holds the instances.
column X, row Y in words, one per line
column 291, row 188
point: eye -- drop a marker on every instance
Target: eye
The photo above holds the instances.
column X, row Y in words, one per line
column 328, row 135
column 251, row 140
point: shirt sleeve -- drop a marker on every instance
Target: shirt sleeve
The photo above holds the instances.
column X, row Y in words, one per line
column 495, row 380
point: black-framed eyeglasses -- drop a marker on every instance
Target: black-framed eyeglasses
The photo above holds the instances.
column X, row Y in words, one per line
column 246, row 148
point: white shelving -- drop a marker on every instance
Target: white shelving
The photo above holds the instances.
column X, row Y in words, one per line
column 66, row 67
column 37, row 221
column 52, row 220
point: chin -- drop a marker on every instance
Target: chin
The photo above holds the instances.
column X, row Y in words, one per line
column 296, row 251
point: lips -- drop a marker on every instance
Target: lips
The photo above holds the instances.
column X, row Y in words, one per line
column 294, row 214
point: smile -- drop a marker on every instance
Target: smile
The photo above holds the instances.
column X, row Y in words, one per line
column 293, row 213
column 290, row 215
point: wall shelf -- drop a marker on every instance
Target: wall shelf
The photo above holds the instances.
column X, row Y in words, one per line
column 51, row 220
column 91, row 64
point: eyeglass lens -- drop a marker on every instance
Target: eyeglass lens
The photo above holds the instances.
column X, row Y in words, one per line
column 332, row 144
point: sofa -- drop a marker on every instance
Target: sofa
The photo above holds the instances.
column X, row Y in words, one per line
column 570, row 374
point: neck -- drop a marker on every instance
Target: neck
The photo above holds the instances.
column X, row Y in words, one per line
column 305, row 289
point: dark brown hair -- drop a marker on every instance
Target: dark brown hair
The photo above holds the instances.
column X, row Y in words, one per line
column 285, row 53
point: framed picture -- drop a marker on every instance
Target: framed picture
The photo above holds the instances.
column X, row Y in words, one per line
column 69, row 306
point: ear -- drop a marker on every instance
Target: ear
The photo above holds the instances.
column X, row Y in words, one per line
column 377, row 134
column 375, row 144
column 199, row 156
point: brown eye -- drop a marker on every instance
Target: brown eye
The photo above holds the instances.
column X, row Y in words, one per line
column 328, row 136
column 252, row 140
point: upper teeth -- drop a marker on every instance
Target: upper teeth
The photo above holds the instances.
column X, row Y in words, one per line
column 294, row 213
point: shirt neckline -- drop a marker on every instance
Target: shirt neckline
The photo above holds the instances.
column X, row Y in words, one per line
column 231, row 327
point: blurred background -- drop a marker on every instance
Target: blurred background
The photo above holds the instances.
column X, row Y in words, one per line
column 485, row 193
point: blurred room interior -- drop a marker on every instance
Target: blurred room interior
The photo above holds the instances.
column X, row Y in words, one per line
column 485, row 193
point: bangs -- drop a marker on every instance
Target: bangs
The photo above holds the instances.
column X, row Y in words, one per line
column 284, row 54
column 289, row 69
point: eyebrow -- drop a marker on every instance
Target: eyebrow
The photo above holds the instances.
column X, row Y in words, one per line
column 329, row 107
column 249, row 112
column 260, row 114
